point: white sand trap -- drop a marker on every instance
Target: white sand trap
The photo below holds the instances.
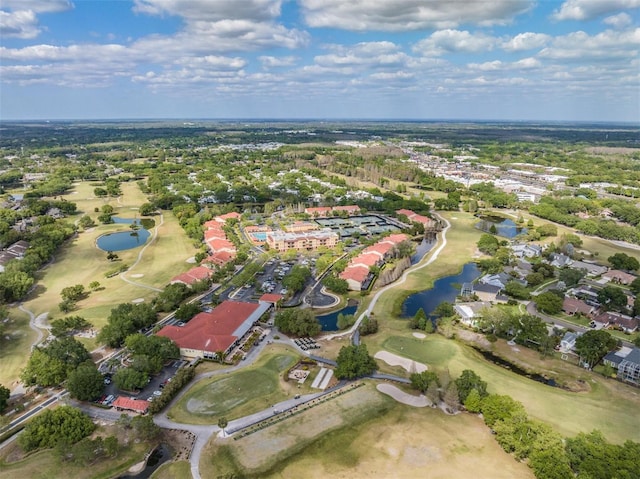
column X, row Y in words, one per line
column 191, row 260
column 454, row 217
column 137, row 300
column 419, row 335
column 395, row 360
column 137, row 275
column 403, row 397
column 134, row 208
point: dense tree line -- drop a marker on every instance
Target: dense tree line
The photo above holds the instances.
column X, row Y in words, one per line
column 126, row 319
column 50, row 365
column 52, row 426
column 354, row 362
column 297, row 322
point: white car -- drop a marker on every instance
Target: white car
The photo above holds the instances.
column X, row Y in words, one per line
column 157, row 392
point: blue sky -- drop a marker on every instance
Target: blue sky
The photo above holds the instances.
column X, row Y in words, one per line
column 570, row 60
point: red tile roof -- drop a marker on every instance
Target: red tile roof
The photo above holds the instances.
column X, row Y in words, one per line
column 356, row 273
column 220, row 257
column 395, row 238
column 379, row 248
column 193, row 275
column 271, row 298
column 131, row 404
column 228, row 216
column 212, row 331
column 346, row 208
column 367, row 259
column 218, row 244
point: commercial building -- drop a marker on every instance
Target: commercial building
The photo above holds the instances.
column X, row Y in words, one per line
column 302, row 241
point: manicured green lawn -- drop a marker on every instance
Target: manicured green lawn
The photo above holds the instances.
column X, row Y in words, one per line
column 236, row 394
column 173, row 470
column 14, row 351
column 610, row 406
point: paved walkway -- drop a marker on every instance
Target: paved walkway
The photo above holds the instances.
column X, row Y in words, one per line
column 402, row 279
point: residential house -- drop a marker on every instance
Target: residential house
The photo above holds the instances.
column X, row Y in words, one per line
column 500, row 279
column 487, row 292
column 356, row 276
column 627, row 363
column 470, row 312
column 593, row 269
column 520, row 250
column 616, row 320
column 618, row 277
column 560, row 260
column 568, row 341
column 573, row 306
column 16, row 251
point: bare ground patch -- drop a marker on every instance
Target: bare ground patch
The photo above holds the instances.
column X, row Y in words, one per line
column 403, row 397
column 394, row 360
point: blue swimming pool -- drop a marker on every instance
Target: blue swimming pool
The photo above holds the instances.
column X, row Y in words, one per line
column 259, row 235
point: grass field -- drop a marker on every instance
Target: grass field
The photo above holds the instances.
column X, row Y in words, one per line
column 609, row 406
column 173, row 470
column 365, row 434
column 14, row 351
column 161, row 260
column 241, row 393
column 44, row 465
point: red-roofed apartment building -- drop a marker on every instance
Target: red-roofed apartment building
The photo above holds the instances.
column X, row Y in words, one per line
column 318, row 211
column 199, row 273
column 357, row 273
column 355, row 276
column 415, row 217
column 220, row 330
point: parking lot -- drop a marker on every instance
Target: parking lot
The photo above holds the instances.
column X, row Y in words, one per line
column 155, row 386
column 269, row 279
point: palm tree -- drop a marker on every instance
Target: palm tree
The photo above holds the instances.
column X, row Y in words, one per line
column 222, row 423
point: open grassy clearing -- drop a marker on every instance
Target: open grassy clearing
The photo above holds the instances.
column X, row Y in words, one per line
column 173, row 470
column 162, row 259
column 14, row 351
column 365, row 434
column 609, row 406
column 240, row 393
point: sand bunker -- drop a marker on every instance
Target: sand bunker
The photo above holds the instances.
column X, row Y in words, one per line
column 137, row 275
column 191, row 260
column 419, row 335
column 395, row 360
column 137, row 300
column 403, row 397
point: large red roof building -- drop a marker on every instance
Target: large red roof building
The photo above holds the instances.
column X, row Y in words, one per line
column 220, row 330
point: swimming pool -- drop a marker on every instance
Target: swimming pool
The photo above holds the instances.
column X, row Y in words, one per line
column 259, row 235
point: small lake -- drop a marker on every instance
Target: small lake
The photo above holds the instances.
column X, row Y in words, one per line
column 422, row 249
column 123, row 240
column 444, row 289
column 329, row 322
column 504, row 226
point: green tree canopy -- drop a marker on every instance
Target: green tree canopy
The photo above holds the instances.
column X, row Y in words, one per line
column 488, row 244
column 468, row 381
column 624, row 262
column 593, row 345
column 51, row 364
column 298, row 322
column 85, row 382
column 548, row 302
column 54, row 425
column 354, row 362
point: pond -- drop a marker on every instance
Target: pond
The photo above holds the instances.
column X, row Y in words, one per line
column 123, row 240
column 329, row 322
column 444, row 289
column 423, row 248
column 504, row 226
column 159, row 456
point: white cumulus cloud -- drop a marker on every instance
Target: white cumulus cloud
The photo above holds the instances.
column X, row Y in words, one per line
column 590, row 9
column 454, row 41
column 619, row 21
column 525, row 41
column 401, row 15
